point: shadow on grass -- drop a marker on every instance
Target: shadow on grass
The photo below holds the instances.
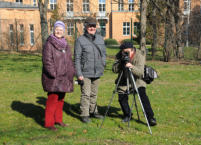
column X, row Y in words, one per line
column 29, row 110
column 70, row 109
column 74, row 109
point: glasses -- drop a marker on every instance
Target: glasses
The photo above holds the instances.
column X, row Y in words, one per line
column 92, row 25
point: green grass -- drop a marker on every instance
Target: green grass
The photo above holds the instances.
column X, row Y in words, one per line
column 175, row 98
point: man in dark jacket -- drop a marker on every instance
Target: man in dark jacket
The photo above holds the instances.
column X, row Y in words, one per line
column 90, row 60
column 136, row 63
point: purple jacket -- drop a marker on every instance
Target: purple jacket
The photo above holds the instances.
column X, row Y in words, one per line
column 58, row 68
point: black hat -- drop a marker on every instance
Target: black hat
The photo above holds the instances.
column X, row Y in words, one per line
column 90, row 21
column 125, row 45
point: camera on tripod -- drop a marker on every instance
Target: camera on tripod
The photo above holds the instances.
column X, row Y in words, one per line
column 125, row 57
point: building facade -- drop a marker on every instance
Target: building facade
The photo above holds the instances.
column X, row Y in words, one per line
column 117, row 19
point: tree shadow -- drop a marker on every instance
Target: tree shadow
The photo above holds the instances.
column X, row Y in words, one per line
column 29, row 110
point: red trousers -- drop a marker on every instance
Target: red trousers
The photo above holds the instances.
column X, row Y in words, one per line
column 54, row 109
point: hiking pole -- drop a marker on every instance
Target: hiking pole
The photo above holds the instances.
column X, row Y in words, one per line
column 133, row 81
column 115, row 90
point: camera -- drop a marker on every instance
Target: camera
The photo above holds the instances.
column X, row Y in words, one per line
column 125, row 57
column 79, row 82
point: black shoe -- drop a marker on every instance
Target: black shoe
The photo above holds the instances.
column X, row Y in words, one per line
column 86, row 119
column 126, row 119
column 97, row 115
column 152, row 122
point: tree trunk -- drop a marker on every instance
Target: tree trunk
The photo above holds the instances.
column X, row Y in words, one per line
column 143, row 21
column 199, row 51
column 155, row 33
column 178, row 19
column 43, row 19
column 169, row 34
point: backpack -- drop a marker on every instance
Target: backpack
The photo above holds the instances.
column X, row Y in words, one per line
column 149, row 74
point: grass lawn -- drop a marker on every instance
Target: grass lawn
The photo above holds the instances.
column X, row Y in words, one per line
column 175, row 98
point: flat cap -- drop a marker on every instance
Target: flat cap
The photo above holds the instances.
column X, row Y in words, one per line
column 90, row 21
column 125, row 45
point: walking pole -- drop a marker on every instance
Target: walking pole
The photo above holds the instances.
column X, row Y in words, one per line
column 133, row 81
column 115, row 90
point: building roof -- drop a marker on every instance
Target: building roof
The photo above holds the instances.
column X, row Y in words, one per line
column 13, row 5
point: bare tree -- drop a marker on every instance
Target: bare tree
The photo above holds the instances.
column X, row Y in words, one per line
column 143, row 21
column 43, row 5
column 199, row 51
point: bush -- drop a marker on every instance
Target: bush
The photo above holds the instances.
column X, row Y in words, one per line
column 128, row 40
column 111, row 42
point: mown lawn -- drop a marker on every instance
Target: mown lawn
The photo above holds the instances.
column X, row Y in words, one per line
column 175, row 98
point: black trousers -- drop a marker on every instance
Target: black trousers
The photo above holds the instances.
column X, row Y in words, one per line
column 123, row 101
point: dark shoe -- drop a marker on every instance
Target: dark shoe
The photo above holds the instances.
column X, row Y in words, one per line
column 52, row 128
column 97, row 115
column 126, row 119
column 152, row 122
column 86, row 119
column 61, row 124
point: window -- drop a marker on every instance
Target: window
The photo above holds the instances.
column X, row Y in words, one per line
column 11, row 34
column 70, row 29
column 131, row 5
column 31, row 34
column 120, row 5
column 53, row 4
column 136, row 27
column 102, row 28
column 126, row 28
column 69, row 5
column 19, row 1
column 34, row 2
column 187, row 5
column 101, row 5
column 85, row 5
column 21, row 34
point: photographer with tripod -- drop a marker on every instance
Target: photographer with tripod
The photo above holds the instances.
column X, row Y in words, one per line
column 131, row 59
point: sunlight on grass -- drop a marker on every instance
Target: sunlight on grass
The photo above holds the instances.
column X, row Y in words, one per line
column 175, row 98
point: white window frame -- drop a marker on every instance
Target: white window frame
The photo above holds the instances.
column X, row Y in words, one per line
column 187, row 6
column 102, row 27
column 85, row 6
column 120, row 5
column 21, row 34
column 34, row 2
column 102, row 6
column 11, row 33
column 126, row 28
column 70, row 29
column 19, row 1
column 32, row 40
column 131, row 5
column 69, row 5
column 53, row 4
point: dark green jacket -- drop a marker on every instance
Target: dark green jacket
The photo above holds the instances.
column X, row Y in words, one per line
column 138, row 70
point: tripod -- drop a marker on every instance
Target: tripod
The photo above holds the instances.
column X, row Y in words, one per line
column 130, row 78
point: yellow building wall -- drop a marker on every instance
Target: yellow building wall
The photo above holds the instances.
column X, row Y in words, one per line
column 17, row 17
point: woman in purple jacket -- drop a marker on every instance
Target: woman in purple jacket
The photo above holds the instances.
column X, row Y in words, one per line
column 57, row 75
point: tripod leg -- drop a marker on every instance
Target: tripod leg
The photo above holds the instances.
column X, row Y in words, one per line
column 133, row 81
column 108, row 107
column 136, row 108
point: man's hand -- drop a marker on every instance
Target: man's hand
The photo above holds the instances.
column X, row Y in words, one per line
column 129, row 65
column 80, row 78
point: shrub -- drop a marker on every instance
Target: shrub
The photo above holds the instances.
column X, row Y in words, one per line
column 111, row 42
